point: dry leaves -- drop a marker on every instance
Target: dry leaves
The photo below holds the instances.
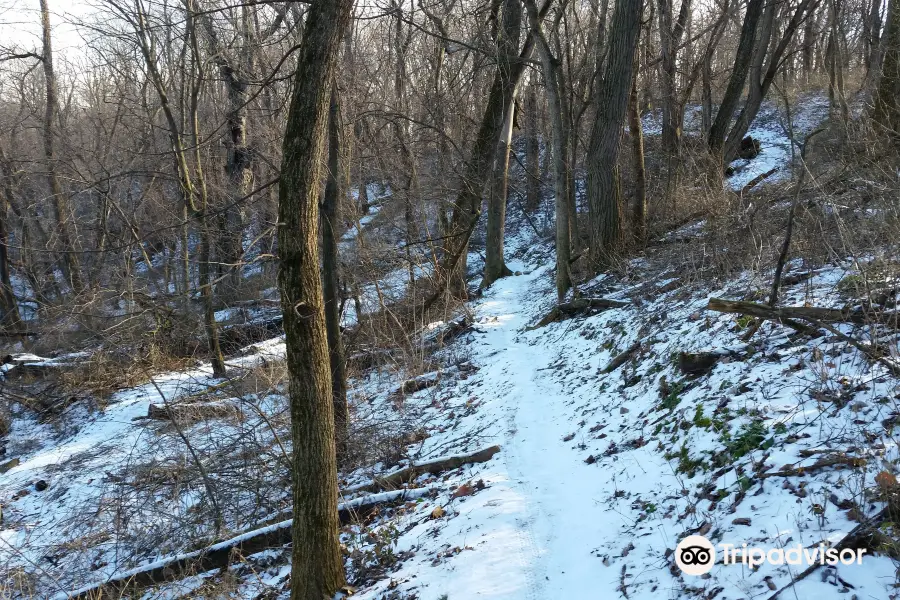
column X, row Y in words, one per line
column 886, row 481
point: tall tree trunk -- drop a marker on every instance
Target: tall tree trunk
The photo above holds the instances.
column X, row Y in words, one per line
column 549, row 66
column 836, row 73
column 639, row 208
column 670, row 32
column 61, row 206
column 10, row 309
column 508, row 48
column 887, row 95
column 467, row 209
column 743, row 58
column 532, row 151
column 604, row 200
column 759, row 83
column 808, row 50
column 409, row 188
column 494, row 265
column 331, row 220
column 238, row 166
column 874, row 38
column 201, row 212
column 317, row 569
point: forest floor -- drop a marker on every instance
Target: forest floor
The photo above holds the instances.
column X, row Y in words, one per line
column 602, row 467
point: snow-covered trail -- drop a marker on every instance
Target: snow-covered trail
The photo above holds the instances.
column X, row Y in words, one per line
column 554, row 506
column 563, row 524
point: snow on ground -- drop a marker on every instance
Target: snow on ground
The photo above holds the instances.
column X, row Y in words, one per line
column 595, row 482
column 773, row 130
column 599, row 474
column 67, row 527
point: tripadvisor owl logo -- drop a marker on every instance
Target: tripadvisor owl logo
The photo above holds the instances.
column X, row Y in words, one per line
column 695, row 555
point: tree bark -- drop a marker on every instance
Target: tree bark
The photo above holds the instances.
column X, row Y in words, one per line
column 743, row 57
column 532, row 151
column 550, row 65
column 61, row 206
column 671, row 32
column 507, row 51
column 201, row 213
column 887, row 95
column 317, row 567
column 10, row 318
column 331, row 220
column 873, row 40
column 760, row 79
column 238, row 167
column 494, row 264
column 603, row 196
column 635, row 131
column 467, row 208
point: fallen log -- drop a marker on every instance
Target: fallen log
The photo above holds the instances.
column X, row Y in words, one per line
column 806, row 313
column 40, row 370
column 453, row 330
column 234, row 337
column 417, row 384
column 757, row 180
column 223, row 553
column 695, row 364
column 577, row 306
column 368, row 359
column 276, row 534
column 820, row 318
column 192, row 411
column 836, row 460
column 397, row 478
column 622, row 358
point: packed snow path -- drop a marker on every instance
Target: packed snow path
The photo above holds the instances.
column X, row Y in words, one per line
column 556, row 505
column 559, row 521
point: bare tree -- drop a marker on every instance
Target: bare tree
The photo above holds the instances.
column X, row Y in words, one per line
column 507, row 52
column 317, row 566
column 331, row 220
column 549, row 64
column 887, row 95
column 61, row 205
column 603, row 193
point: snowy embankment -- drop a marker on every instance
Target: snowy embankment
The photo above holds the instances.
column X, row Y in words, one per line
column 602, row 473
column 772, row 128
column 604, row 465
column 69, row 500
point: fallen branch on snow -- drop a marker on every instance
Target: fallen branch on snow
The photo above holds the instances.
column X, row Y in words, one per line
column 416, row 384
column 806, row 313
column 577, row 306
column 223, row 553
column 757, row 180
column 819, row 318
column 192, row 411
column 867, row 535
column 621, row 359
column 397, row 478
column 277, row 534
